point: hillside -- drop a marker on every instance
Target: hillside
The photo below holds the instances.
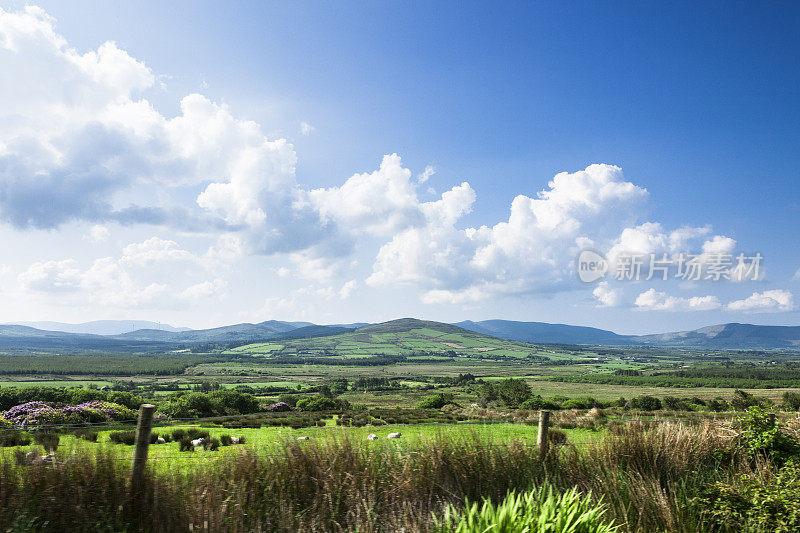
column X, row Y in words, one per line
column 406, row 337
column 729, row 336
column 545, row 333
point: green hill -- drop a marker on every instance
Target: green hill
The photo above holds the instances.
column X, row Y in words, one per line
column 405, row 337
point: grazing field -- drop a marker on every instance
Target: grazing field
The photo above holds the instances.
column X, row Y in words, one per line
column 641, row 439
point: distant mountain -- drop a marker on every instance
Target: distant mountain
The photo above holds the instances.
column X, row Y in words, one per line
column 406, row 324
column 234, row 333
column 102, row 327
column 541, row 332
column 724, row 336
column 729, row 336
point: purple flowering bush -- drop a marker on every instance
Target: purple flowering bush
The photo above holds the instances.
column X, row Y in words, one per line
column 280, row 407
column 33, row 414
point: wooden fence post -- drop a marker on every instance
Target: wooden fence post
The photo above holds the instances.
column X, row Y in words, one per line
column 541, row 438
column 143, row 429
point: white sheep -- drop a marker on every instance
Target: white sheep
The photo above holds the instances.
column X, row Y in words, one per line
column 234, row 440
column 394, row 435
column 372, row 436
column 302, row 438
column 160, row 440
column 198, row 442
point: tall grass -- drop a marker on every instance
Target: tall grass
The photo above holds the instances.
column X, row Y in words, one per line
column 646, row 477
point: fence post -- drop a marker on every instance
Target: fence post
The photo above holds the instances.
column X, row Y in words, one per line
column 143, row 428
column 541, row 438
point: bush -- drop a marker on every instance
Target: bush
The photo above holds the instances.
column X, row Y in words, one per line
column 537, row 510
column 197, row 433
column 791, row 401
column 279, row 407
column 178, row 434
column 646, row 403
column 225, row 440
column 717, row 405
column 211, row 444
column 317, row 403
column 580, row 403
column 14, row 438
column 435, row 401
column 47, row 439
column 86, row 434
column 743, row 400
column 123, row 437
column 538, row 403
column 185, row 445
column 753, row 503
column 763, row 436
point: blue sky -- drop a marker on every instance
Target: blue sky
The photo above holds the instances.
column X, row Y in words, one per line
column 694, row 105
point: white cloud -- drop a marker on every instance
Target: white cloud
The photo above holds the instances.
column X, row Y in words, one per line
column 531, row 252
column 205, row 289
column 151, row 273
column 652, row 300
column 97, row 234
column 425, row 175
column 348, row 289
column 764, row 302
column 306, row 128
column 606, row 296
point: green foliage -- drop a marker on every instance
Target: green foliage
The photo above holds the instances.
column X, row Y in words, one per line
column 320, row 403
column 103, row 364
column 717, row 405
column 646, row 403
column 580, row 403
column 538, row 403
column 754, row 503
column 14, row 438
column 743, row 400
column 762, row 435
column 218, row 403
column 539, row 510
column 123, row 437
column 435, row 401
column 791, row 401
column 11, row 396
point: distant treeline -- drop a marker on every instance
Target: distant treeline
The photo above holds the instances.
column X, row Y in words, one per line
column 677, row 380
column 102, row 364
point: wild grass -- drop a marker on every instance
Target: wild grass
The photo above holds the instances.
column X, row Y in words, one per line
column 647, row 477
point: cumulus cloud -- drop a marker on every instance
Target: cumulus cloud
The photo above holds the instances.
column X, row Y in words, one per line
column 97, row 234
column 529, row 252
column 606, row 296
column 652, row 300
column 153, row 272
column 771, row 301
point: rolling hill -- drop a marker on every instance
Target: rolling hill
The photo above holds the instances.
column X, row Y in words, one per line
column 406, row 337
column 542, row 332
column 729, row 336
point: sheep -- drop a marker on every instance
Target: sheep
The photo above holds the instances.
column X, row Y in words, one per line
column 394, row 435
column 160, row 440
column 234, row 440
column 302, row 438
column 372, row 436
column 198, row 442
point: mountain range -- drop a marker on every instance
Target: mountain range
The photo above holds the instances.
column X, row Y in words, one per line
column 118, row 335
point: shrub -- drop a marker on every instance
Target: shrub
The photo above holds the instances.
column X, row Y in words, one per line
column 646, row 403
column 762, row 435
column 317, row 403
column 14, row 438
column 279, row 407
column 225, row 440
column 717, row 405
column 86, row 434
column 791, row 401
column 123, row 437
column 580, row 403
column 538, row 403
column 47, row 439
column 435, row 401
column 513, row 392
column 197, row 433
column 178, row 434
column 742, row 400
column 753, row 503
column 211, row 444
column 537, row 510
column 185, row 445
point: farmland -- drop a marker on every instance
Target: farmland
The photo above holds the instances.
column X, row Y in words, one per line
column 466, row 404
